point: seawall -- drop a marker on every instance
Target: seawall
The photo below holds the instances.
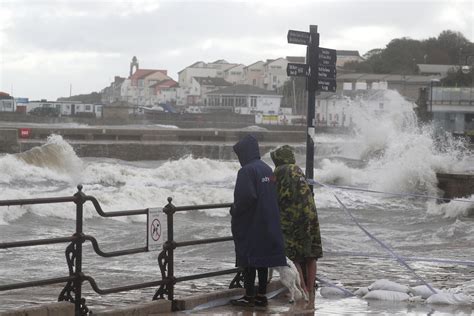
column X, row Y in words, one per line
column 147, row 143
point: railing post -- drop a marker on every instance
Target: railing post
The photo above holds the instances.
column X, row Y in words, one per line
column 74, row 260
column 80, row 235
column 166, row 257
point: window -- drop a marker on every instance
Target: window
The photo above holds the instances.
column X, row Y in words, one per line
column 254, row 82
column 253, row 102
column 241, row 101
column 88, row 107
column 274, row 79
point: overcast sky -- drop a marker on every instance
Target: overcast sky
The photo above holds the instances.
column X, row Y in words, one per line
column 48, row 45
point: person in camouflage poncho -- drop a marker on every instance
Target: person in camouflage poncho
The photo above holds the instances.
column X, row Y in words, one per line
column 298, row 215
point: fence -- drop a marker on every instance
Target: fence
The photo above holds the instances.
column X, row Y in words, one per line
column 72, row 291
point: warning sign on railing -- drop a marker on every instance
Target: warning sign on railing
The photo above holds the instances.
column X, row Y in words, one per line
column 156, row 229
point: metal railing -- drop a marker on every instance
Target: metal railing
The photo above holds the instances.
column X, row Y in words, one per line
column 72, row 291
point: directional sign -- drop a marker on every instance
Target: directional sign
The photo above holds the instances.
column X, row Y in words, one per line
column 326, row 72
column 327, row 57
column 298, row 70
column 326, row 85
column 298, row 37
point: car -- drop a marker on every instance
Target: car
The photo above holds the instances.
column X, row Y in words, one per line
column 40, row 111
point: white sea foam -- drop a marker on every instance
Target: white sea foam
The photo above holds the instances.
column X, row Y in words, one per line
column 451, row 209
column 400, row 156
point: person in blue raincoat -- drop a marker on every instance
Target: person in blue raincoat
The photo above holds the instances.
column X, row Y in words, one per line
column 256, row 227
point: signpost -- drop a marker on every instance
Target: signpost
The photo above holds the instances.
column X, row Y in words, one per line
column 320, row 73
column 297, row 70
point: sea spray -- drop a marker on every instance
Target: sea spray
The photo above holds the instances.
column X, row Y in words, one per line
column 400, row 155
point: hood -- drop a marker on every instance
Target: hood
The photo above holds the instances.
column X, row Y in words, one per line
column 283, row 156
column 247, row 149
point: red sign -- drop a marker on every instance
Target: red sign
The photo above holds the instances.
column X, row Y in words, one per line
column 25, row 132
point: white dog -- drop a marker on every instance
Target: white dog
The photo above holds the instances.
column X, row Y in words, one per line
column 290, row 278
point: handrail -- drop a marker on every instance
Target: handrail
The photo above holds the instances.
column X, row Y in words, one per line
column 37, row 242
column 72, row 291
column 95, row 246
column 50, row 200
column 22, row 285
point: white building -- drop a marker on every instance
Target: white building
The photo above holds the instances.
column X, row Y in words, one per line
column 139, row 89
column 214, row 69
column 244, row 99
column 235, row 75
column 253, row 74
column 274, row 73
column 7, row 103
column 201, row 86
column 345, row 56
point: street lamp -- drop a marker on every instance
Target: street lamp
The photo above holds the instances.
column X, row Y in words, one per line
column 431, row 93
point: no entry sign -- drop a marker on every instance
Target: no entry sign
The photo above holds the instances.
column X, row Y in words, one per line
column 156, row 229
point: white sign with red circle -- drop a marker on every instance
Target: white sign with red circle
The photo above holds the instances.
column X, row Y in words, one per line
column 156, row 229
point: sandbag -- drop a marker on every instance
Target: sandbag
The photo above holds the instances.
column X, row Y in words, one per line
column 329, row 292
column 423, row 291
column 450, row 299
column 387, row 285
column 385, row 295
column 361, row 291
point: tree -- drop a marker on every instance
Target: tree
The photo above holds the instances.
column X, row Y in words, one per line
column 457, row 79
column 91, row 98
column 401, row 55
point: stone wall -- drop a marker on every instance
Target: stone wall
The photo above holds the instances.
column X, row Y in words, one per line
column 456, row 185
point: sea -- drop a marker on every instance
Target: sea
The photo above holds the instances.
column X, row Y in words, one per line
column 389, row 152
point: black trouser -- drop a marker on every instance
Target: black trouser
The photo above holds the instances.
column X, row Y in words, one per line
column 249, row 280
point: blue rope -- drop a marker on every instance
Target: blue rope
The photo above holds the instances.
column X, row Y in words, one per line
column 372, row 255
column 398, row 258
column 330, row 284
column 314, row 182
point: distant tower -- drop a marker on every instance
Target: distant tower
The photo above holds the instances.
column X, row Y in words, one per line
column 133, row 63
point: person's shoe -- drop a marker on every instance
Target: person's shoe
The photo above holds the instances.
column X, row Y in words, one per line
column 246, row 301
column 261, row 300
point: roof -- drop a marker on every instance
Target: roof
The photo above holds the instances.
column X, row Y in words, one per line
column 191, row 66
column 239, row 65
column 167, row 83
column 347, row 53
column 212, row 81
column 243, row 89
column 436, row 69
column 220, row 61
column 296, row 59
column 254, row 64
column 142, row 73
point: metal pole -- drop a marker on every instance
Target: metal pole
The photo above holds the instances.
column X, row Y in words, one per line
column 311, row 83
column 169, row 214
column 79, row 234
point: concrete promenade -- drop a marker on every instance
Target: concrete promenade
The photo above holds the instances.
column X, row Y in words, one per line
column 214, row 303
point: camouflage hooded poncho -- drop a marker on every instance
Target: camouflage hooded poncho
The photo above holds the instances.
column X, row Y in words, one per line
column 298, row 215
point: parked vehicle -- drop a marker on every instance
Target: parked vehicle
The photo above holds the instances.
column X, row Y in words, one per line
column 40, row 111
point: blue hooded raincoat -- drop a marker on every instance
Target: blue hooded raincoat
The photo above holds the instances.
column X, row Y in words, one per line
column 256, row 225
